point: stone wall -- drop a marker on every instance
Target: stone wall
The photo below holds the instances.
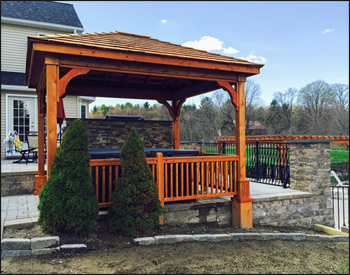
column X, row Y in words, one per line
column 17, row 183
column 309, row 173
column 111, row 134
column 310, row 168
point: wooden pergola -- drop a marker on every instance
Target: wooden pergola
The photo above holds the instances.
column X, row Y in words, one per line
column 123, row 65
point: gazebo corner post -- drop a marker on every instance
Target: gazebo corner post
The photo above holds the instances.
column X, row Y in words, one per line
column 160, row 183
column 40, row 178
column 52, row 96
column 242, row 212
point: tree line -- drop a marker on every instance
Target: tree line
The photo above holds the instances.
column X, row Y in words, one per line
column 318, row 108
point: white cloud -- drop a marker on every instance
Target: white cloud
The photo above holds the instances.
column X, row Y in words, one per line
column 206, row 43
column 328, row 30
column 253, row 58
column 163, row 21
column 230, row 50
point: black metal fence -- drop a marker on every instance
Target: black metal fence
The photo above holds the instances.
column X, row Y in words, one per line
column 341, row 169
column 265, row 162
column 340, row 200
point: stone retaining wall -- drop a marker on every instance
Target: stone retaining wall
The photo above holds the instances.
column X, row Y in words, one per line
column 20, row 183
column 171, row 239
column 309, row 172
column 112, row 134
column 36, row 246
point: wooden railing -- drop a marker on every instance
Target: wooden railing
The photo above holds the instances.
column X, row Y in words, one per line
column 177, row 178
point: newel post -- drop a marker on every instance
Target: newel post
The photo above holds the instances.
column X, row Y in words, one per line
column 160, row 183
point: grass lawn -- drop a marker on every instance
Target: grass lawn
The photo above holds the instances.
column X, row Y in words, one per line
column 339, row 155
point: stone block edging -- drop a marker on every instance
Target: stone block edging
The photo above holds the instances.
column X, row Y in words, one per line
column 166, row 239
column 37, row 246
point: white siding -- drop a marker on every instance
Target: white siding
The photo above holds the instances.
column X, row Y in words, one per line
column 70, row 104
column 14, row 46
column 3, row 123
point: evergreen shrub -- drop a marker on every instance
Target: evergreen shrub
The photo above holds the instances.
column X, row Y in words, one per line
column 137, row 207
column 67, row 202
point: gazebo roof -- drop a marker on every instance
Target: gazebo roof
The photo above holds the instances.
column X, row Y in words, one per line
column 122, row 41
column 139, row 66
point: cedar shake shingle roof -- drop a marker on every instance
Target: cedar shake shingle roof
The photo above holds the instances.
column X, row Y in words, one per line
column 140, row 44
column 41, row 11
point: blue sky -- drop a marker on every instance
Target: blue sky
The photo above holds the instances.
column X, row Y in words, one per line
column 298, row 41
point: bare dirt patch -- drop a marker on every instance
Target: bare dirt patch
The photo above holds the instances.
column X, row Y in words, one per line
column 111, row 253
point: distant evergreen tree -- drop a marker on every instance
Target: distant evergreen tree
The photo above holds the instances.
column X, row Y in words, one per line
column 67, row 202
column 137, row 207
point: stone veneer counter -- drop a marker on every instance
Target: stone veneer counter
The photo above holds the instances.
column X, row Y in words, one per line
column 112, row 134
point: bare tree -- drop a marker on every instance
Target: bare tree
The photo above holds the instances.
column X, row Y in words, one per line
column 252, row 102
column 280, row 111
column 341, row 116
column 316, row 100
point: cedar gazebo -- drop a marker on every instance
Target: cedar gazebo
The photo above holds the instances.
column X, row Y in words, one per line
column 123, row 65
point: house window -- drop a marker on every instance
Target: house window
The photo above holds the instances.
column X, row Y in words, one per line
column 83, row 111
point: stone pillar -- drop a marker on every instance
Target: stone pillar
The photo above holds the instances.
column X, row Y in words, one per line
column 310, row 172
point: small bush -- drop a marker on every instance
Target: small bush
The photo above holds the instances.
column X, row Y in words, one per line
column 67, row 202
column 137, row 207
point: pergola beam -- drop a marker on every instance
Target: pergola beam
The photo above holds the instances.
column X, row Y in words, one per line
column 117, row 91
column 146, row 69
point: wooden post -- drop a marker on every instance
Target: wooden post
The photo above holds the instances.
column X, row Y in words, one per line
column 242, row 215
column 40, row 179
column 160, row 182
column 176, row 132
column 174, row 111
column 52, row 78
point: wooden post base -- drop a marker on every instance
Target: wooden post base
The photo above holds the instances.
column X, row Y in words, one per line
column 39, row 183
column 242, row 213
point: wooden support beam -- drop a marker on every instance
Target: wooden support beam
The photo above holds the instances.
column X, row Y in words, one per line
column 197, row 89
column 117, row 91
column 232, row 92
column 242, row 215
column 52, row 81
column 147, row 69
column 40, row 178
column 174, row 111
column 68, row 77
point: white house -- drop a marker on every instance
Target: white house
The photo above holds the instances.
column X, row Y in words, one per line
column 20, row 19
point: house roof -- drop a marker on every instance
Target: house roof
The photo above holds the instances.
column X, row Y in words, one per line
column 12, row 78
column 254, row 125
column 140, row 44
column 41, row 11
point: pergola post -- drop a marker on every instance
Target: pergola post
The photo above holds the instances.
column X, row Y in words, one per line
column 174, row 111
column 242, row 214
column 52, row 80
column 40, row 179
